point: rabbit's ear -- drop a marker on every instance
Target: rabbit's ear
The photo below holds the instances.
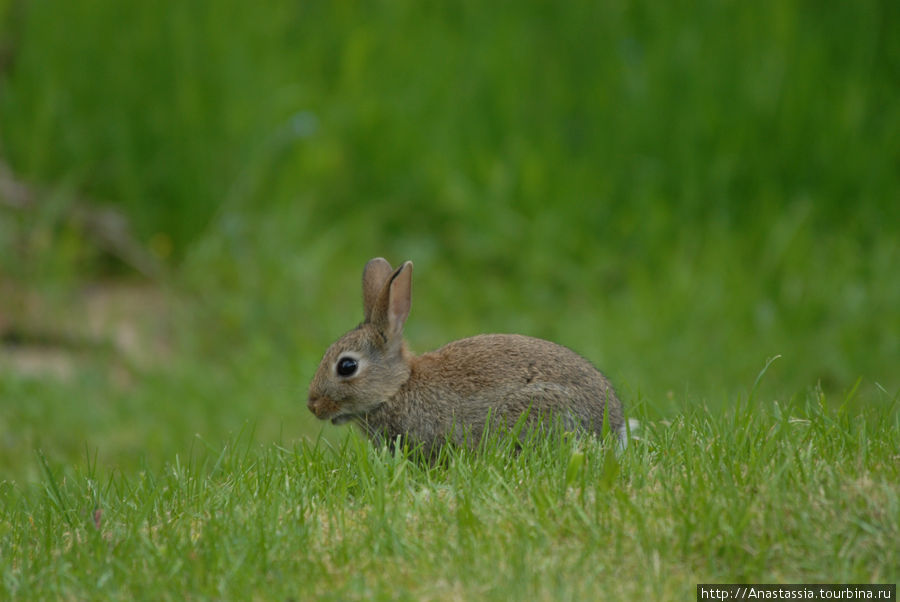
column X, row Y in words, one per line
column 390, row 312
column 375, row 275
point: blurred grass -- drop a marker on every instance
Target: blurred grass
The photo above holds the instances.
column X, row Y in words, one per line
column 677, row 191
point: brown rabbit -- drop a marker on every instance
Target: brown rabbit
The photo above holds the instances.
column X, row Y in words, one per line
column 370, row 377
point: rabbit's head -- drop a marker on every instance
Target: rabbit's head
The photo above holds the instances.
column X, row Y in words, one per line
column 369, row 364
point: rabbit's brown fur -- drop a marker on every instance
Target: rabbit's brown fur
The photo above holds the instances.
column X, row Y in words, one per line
column 449, row 393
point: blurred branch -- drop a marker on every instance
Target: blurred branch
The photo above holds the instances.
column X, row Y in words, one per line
column 107, row 228
column 13, row 193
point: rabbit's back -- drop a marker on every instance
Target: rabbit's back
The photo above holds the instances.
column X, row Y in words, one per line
column 507, row 361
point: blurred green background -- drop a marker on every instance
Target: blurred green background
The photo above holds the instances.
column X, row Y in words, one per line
column 677, row 190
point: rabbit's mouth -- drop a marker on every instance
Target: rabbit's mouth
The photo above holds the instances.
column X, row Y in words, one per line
column 328, row 409
column 359, row 415
column 343, row 419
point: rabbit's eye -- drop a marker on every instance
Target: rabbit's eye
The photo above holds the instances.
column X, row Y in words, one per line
column 346, row 366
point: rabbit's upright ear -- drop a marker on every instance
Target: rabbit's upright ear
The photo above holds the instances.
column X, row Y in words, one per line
column 392, row 308
column 375, row 275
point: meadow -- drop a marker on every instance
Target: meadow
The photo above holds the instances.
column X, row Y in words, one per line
column 703, row 199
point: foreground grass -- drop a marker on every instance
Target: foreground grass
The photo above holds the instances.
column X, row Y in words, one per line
column 760, row 492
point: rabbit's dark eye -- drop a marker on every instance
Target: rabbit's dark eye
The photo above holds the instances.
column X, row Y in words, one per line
column 346, row 366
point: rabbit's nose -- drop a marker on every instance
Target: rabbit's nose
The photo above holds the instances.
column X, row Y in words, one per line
column 322, row 407
column 318, row 405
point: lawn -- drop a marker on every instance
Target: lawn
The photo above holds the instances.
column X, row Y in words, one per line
column 763, row 492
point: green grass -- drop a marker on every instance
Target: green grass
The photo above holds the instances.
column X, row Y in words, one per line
column 764, row 492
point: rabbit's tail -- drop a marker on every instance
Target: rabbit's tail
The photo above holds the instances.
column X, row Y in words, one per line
column 628, row 431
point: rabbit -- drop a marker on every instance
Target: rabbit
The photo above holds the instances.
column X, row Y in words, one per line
column 369, row 376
